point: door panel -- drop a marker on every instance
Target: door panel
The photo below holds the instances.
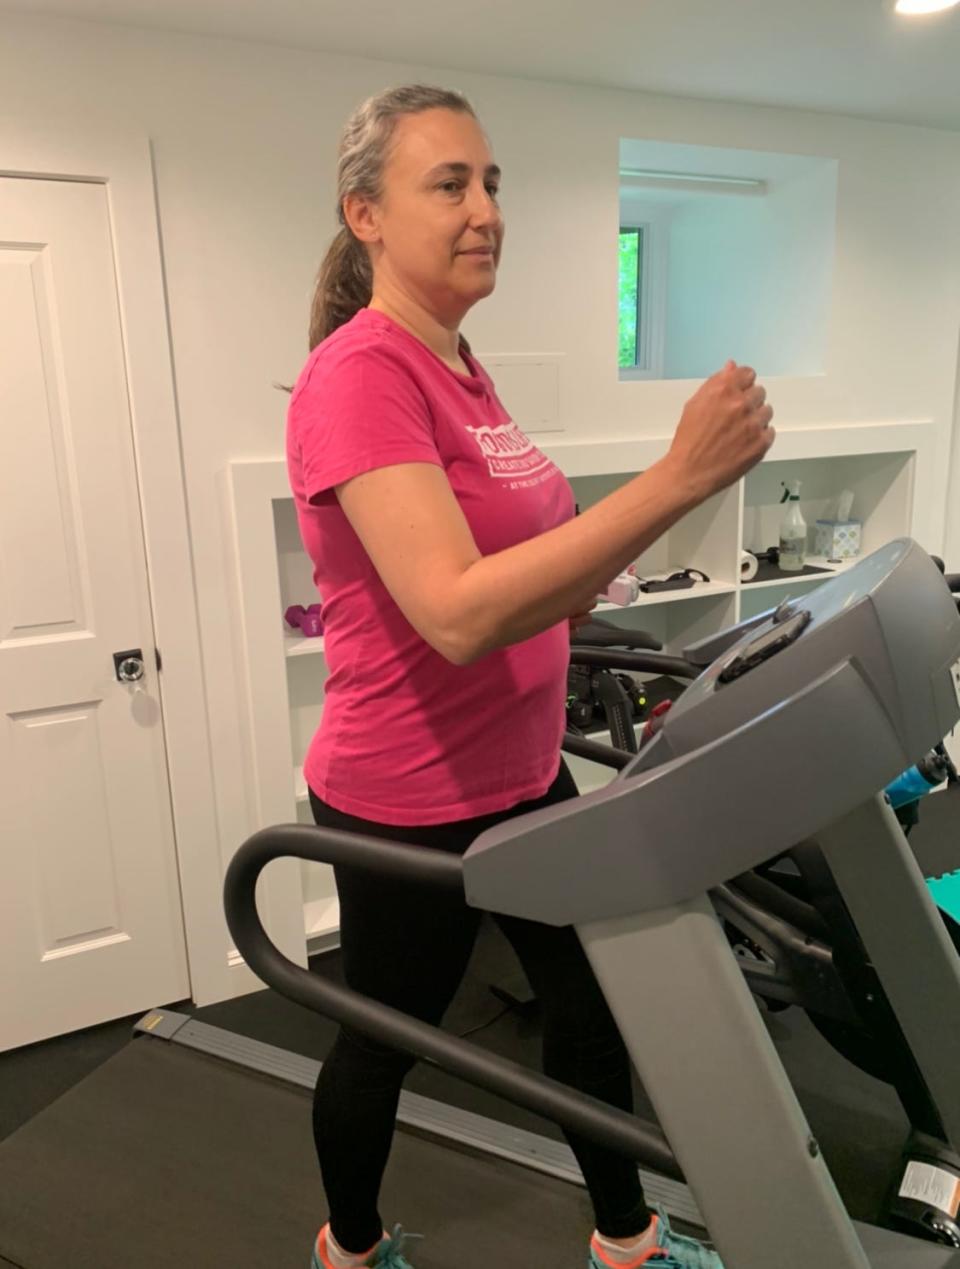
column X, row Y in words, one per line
column 89, row 897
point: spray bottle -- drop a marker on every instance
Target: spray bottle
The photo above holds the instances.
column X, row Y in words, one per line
column 793, row 530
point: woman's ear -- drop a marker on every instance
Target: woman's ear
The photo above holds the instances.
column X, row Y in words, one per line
column 362, row 217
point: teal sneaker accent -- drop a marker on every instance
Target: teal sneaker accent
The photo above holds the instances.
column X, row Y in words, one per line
column 389, row 1255
column 683, row 1252
column 674, row 1251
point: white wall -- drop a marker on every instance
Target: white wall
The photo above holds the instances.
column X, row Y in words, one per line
column 750, row 277
column 244, row 140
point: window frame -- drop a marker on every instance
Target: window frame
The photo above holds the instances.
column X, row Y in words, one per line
column 651, row 299
column 639, row 316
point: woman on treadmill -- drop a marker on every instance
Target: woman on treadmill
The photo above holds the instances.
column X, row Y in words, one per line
column 452, row 571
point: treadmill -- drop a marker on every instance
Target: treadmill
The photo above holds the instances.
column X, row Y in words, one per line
column 788, row 734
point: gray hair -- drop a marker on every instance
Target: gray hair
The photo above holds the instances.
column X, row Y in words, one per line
column 345, row 281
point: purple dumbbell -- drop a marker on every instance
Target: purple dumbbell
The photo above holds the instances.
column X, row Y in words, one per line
column 307, row 620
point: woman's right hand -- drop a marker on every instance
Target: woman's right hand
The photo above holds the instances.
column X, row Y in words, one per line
column 723, row 432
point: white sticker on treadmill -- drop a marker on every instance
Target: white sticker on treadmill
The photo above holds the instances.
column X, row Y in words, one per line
column 928, row 1184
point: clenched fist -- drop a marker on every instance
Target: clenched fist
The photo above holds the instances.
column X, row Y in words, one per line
column 723, row 432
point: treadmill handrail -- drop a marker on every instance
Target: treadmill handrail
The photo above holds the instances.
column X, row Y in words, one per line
column 603, row 1124
column 640, row 662
column 597, row 633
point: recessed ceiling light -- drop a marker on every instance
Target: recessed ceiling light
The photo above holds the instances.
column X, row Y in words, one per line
column 924, row 6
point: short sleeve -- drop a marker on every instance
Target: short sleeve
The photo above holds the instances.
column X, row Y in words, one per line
column 356, row 410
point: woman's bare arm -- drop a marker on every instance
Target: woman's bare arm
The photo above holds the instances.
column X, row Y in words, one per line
column 465, row 604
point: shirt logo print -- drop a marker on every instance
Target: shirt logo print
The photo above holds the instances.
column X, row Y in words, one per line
column 508, row 452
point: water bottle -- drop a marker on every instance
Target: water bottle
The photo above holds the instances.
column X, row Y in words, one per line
column 920, row 780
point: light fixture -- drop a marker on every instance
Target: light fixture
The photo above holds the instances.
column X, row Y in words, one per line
column 693, row 178
column 924, row 6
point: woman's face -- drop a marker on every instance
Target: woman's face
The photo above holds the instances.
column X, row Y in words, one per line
column 437, row 232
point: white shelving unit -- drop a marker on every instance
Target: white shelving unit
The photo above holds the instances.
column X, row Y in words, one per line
column 697, row 591
column 283, row 672
column 830, row 568
column 295, row 645
column 280, row 689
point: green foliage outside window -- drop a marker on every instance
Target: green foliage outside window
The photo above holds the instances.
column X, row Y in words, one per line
column 630, row 258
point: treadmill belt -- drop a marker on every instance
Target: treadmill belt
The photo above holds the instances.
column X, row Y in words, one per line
column 164, row 1158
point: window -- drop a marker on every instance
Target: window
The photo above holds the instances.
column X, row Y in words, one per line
column 723, row 253
column 631, row 291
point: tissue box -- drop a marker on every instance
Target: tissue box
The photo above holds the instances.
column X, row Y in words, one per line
column 837, row 539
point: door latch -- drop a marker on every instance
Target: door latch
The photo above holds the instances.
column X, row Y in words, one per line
column 128, row 665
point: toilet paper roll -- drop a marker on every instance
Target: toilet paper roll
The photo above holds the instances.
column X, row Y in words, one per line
column 749, row 567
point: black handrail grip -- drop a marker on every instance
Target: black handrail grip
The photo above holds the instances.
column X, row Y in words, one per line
column 598, row 633
column 392, row 860
column 640, row 662
column 615, row 1129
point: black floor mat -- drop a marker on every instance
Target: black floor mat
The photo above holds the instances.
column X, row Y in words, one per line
column 166, row 1158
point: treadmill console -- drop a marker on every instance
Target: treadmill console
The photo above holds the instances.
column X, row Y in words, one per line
column 889, row 617
column 795, row 723
column 765, row 645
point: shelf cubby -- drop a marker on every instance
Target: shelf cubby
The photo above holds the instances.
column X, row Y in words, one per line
column 882, row 487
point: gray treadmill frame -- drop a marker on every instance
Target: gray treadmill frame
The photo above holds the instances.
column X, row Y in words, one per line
column 716, row 1082
column 719, row 1090
column 693, row 1030
column 897, row 919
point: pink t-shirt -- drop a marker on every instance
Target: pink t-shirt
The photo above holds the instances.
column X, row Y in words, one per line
column 406, row 737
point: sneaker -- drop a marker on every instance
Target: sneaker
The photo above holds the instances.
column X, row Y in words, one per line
column 673, row 1251
column 387, row 1255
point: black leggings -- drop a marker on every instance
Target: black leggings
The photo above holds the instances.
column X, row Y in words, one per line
column 408, row 946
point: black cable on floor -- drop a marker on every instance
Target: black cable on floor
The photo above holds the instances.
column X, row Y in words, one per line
column 511, row 1003
column 481, row 1026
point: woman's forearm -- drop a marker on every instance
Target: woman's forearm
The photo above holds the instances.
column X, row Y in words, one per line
column 517, row 593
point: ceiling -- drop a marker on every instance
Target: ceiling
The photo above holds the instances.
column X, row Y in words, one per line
column 852, row 57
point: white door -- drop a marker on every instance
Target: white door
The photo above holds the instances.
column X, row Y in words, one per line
column 90, row 918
